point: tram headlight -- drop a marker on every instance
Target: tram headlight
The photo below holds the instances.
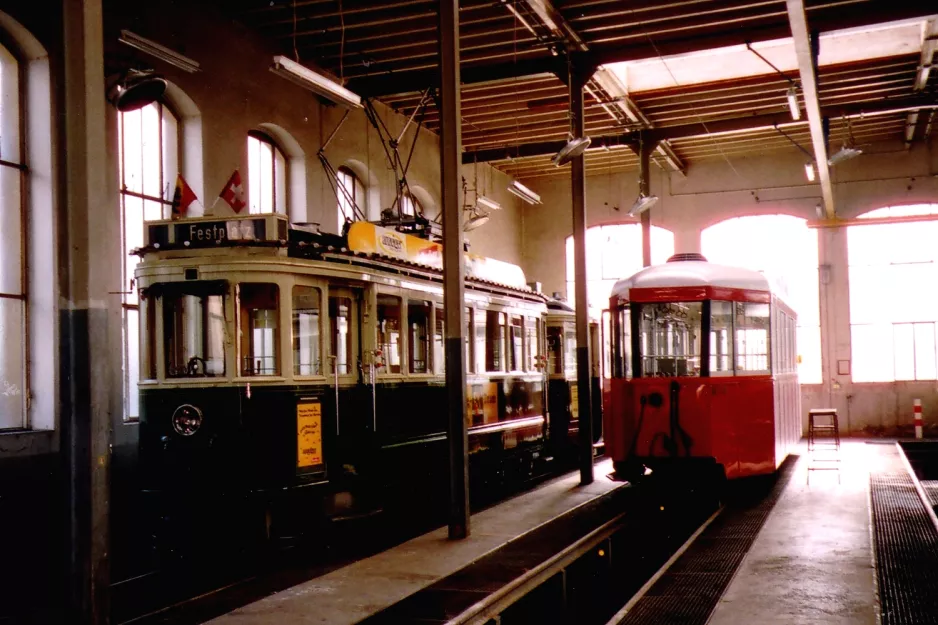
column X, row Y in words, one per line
column 187, row 419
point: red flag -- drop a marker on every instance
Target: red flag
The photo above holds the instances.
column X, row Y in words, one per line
column 183, row 197
column 233, row 193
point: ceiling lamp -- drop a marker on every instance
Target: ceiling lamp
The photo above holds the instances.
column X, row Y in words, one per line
column 317, row 83
column 487, row 203
column 843, row 154
column 476, row 221
column 809, row 171
column 135, row 90
column 642, row 204
column 793, row 103
column 526, row 194
column 161, row 52
column 575, row 147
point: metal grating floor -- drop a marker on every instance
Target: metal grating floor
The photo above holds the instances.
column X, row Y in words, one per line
column 906, row 544
column 931, row 490
column 687, row 593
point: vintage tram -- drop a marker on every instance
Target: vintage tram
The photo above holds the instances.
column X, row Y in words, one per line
column 294, row 372
column 562, row 390
column 704, row 372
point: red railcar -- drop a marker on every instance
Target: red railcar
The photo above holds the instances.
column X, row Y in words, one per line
column 704, row 370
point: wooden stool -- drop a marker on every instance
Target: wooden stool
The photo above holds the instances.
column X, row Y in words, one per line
column 816, row 424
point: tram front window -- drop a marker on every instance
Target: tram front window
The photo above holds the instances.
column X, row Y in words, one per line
column 306, row 356
column 389, row 333
column 555, row 350
column 194, row 334
column 259, row 309
column 670, row 339
column 418, row 321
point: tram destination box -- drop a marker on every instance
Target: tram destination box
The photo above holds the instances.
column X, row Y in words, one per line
column 203, row 232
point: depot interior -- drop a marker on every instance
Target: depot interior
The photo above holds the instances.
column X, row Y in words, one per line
column 807, row 151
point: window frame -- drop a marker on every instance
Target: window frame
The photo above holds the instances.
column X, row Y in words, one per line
column 323, row 330
column 343, row 175
column 22, row 295
column 165, row 201
column 278, row 193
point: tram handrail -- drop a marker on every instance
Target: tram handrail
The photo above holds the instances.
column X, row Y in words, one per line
column 496, row 603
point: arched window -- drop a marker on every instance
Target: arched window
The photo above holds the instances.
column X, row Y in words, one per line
column 784, row 248
column 267, row 175
column 612, row 253
column 351, row 193
column 410, row 206
column 13, row 304
column 893, row 305
column 148, row 165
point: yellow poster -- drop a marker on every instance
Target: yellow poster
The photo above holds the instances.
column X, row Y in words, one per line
column 574, row 401
column 308, row 434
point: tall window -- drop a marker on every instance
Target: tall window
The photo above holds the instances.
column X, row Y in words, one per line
column 351, row 195
column 785, row 249
column 893, row 307
column 13, row 388
column 149, row 155
column 409, row 205
column 613, row 253
column 267, row 175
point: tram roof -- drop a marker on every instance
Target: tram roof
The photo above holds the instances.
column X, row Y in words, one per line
column 692, row 274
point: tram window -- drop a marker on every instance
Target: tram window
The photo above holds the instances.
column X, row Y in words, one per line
column 259, row 306
column 479, row 318
column 389, row 333
column 555, row 350
column 751, row 324
column 307, row 359
column 624, row 348
column 194, row 335
column 418, row 324
column 569, row 349
column 530, row 343
column 494, row 341
column 470, row 365
column 439, row 338
column 670, row 340
column 147, row 337
column 721, row 343
column 515, row 342
column 340, row 322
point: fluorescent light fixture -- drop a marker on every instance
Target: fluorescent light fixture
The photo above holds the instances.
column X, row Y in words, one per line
column 574, row 148
column 519, row 17
column 488, row 203
column 161, row 52
column 642, row 204
column 793, row 103
column 845, row 153
column 317, row 83
column 809, row 171
column 526, row 194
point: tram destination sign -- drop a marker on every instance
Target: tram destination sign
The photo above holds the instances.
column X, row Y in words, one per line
column 201, row 233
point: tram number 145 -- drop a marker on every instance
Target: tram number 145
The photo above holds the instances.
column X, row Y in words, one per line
column 309, row 434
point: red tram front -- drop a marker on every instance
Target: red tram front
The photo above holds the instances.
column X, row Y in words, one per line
column 704, row 371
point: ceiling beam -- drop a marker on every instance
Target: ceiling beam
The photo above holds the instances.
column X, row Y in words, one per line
column 823, row 18
column 914, row 126
column 699, row 129
column 807, row 64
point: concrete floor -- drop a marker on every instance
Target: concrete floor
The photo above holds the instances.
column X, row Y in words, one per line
column 359, row 590
column 812, row 562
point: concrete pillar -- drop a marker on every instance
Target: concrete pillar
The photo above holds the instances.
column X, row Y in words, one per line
column 834, row 292
column 83, row 312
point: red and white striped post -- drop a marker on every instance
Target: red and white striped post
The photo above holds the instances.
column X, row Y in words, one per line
column 918, row 417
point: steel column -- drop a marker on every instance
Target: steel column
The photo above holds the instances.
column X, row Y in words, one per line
column 453, row 269
column 644, row 188
column 83, row 323
column 583, row 383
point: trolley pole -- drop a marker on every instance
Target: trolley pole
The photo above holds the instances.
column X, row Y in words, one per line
column 453, row 269
column 583, row 373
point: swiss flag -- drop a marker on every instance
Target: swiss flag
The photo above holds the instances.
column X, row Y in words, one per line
column 183, row 197
column 233, row 193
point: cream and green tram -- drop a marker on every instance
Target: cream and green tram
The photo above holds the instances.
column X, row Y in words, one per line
column 290, row 371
